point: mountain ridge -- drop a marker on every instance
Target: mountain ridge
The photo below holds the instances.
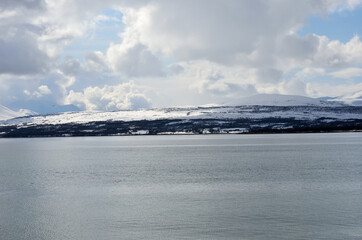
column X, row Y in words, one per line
column 283, row 100
column 255, row 100
column 6, row 113
column 298, row 114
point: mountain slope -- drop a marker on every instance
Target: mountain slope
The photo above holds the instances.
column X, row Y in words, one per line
column 225, row 119
column 352, row 99
column 6, row 113
column 258, row 114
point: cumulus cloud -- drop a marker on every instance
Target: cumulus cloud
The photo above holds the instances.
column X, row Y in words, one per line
column 95, row 61
column 122, row 96
column 134, row 61
column 40, row 92
column 221, row 31
column 335, row 54
column 194, row 51
column 293, row 87
column 44, row 89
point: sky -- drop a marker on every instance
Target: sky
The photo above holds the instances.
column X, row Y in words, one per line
column 123, row 54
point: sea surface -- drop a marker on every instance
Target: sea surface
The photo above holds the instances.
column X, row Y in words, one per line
column 280, row 186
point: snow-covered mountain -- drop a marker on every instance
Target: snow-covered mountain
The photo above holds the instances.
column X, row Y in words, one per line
column 351, row 99
column 213, row 112
column 260, row 113
column 6, row 113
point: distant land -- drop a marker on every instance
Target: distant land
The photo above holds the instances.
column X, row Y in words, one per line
column 263, row 113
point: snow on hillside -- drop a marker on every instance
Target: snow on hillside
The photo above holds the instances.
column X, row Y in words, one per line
column 6, row 113
column 255, row 107
column 249, row 112
column 283, row 100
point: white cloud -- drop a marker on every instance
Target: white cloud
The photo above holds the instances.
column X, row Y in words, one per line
column 214, row 30
column 347, row 73
column 323, row 89
column 293, row 87
column 227, row 32
column 40, row 92
column 44, row 90
column 340, row 5
column 186, row 52
column 122, row 96
column 308, row 72
column 335, row 54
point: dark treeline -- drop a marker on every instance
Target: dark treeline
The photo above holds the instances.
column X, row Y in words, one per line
column 189, row 126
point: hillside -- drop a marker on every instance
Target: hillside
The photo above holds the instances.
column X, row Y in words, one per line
column 257, row 114
column 6, row 113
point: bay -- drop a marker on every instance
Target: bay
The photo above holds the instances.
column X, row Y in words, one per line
column 279, row 186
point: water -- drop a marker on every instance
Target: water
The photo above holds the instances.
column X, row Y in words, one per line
column 295, row 186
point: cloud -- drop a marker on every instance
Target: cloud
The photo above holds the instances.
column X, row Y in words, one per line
column 221, row 31
column 347, row 73
column 293, row 87
column 70, row 66
column 44, row 90
column 183, row 52
column 40, row 92
column 308, row 72
column 32, row 4
column 122, row 96
column 175, row 68
column 21, row 55
column 95, row 61
column 134, row 61
column 294, row 46
column 335, row 54
column 323, row 89
column 269, row 75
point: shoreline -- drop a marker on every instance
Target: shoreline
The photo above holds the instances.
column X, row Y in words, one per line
column 184, row 134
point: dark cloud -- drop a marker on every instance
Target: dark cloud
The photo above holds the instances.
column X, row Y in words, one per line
column 175, row 69
column 134, row 61
column 29, row 4
column 70, row 66
column 269, row 75
column 294, row 46
column 21, row 55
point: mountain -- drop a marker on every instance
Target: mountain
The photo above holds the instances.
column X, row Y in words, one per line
column 351, row 99
column 257, row 114
column 6, row 113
